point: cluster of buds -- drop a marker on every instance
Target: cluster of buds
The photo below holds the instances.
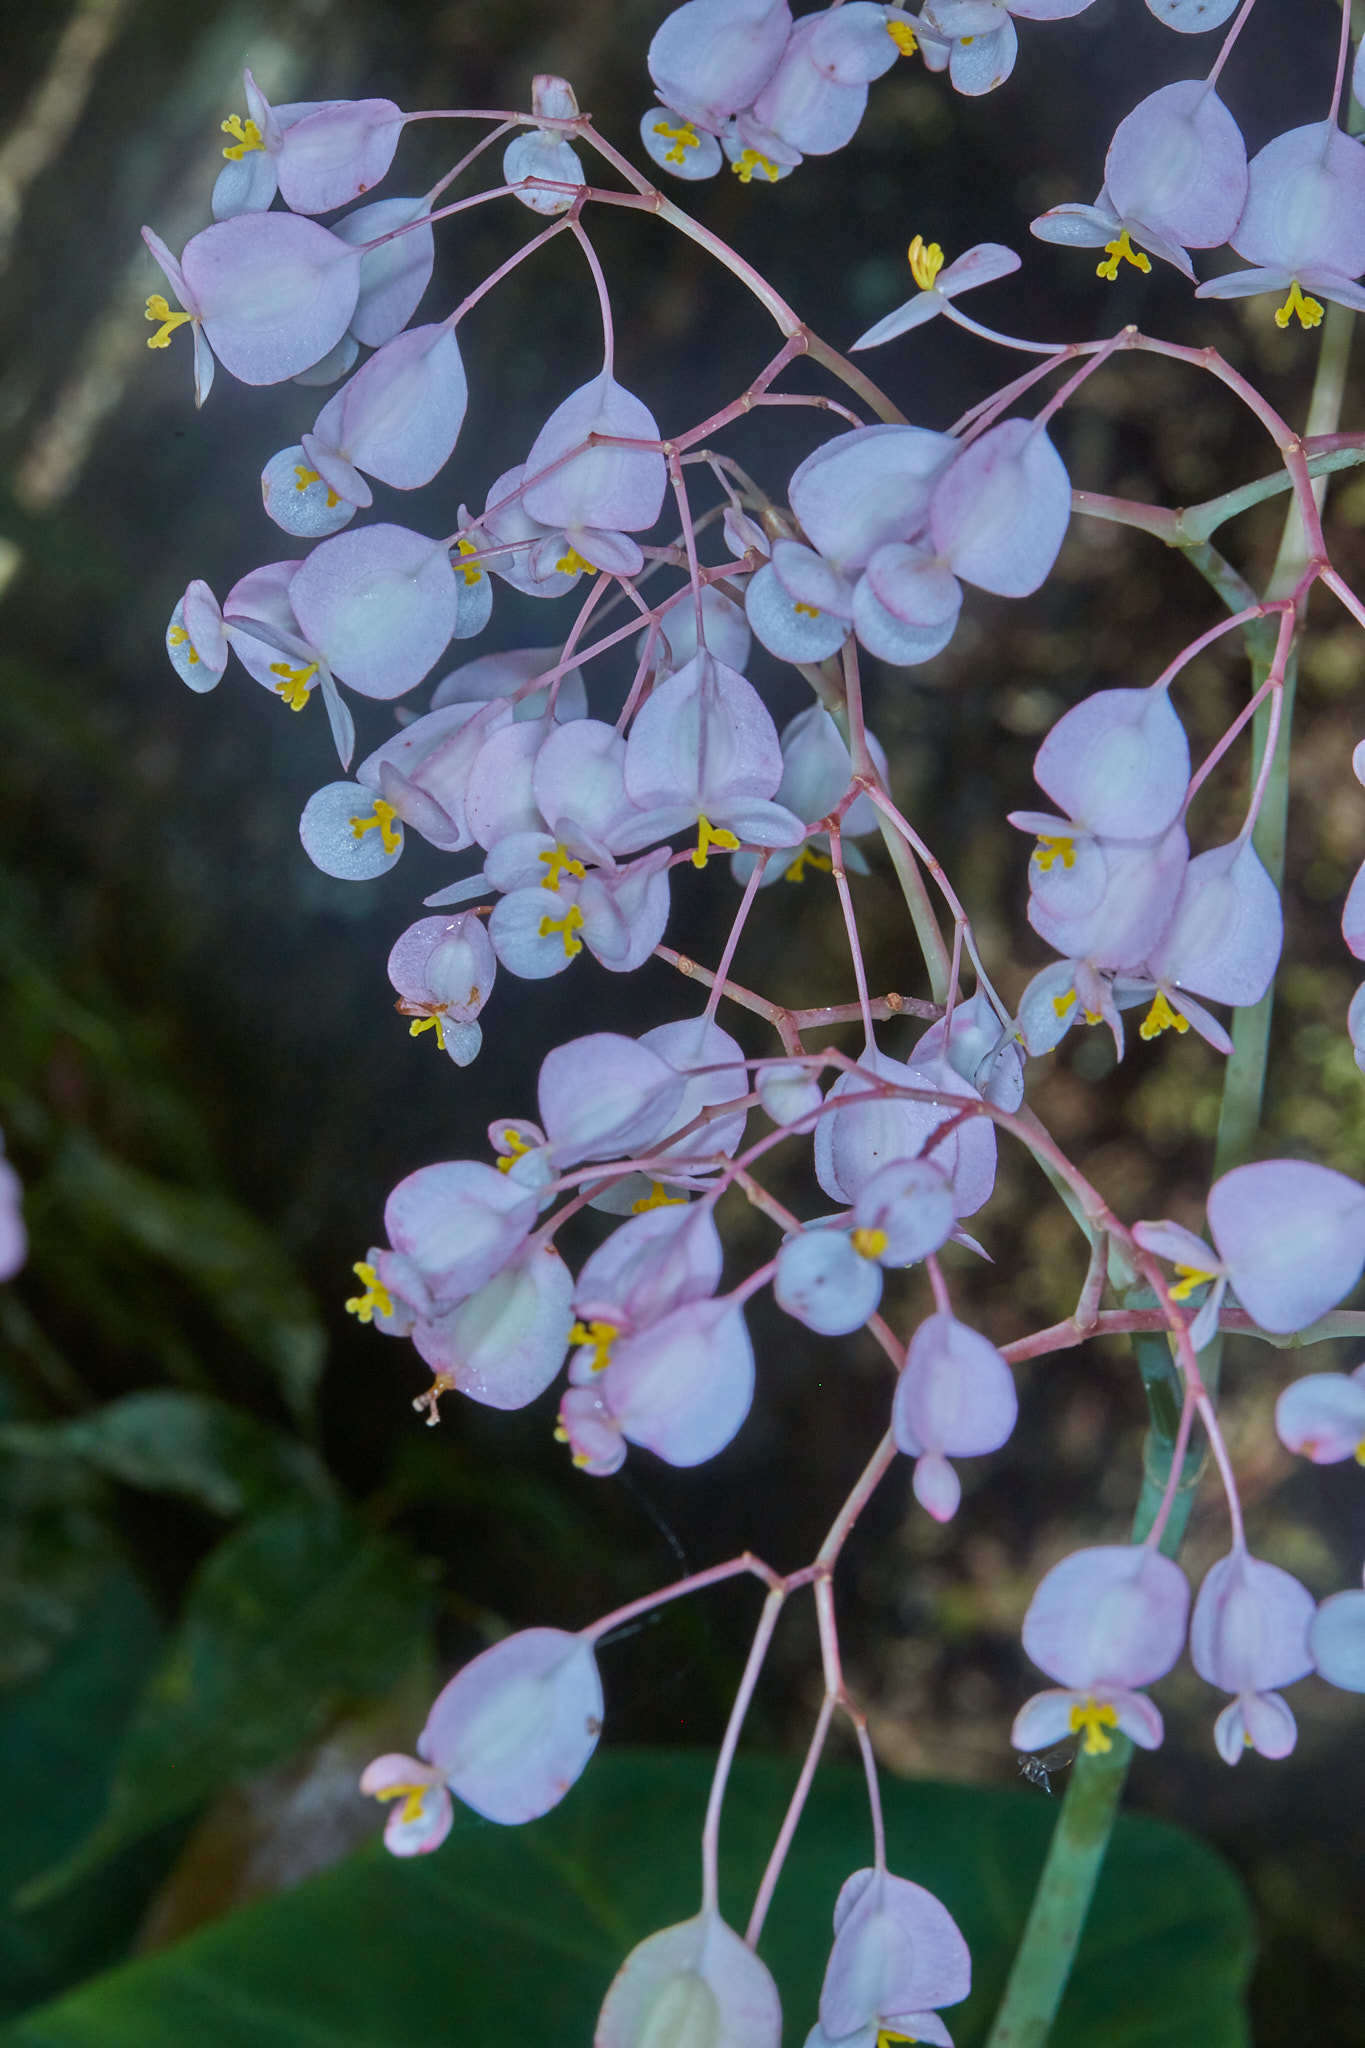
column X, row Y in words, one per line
column 579, row 797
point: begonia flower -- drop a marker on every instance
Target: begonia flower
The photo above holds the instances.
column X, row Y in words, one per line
column 1291, row 1241
column 1322, row 1416
column 299, row 499
column 506, row 674
column 512, row 1731
column 1103, row 1622
column 1191, row 17
column 1303, row 225
column 1336, row 1638
column 788, row 1091
column 13, row 1235
column 379, row 603
column 826, row 1279
column 397, row 419
column 938, row 284
column 1355, row 1026
column 976, row 39
column 652, row 1263
column 954, row 1398
column 443, row 970
column 1112, row 904
column 423, row 772
column 1248, row 1636
column 1175, row 179
column 898, row 1953
column 1117, row 765
column 681, row 1388
column 598, row 494
column 319, row 154
column 451, row 1228
column 421, row 1822
column 817, row 95
column 271, row 292
column 540, row 161
column 816, row 773
column 504, row 1343
column 711, row 57
column 724, row 632
column 853, row 1142
column 981, row 1048
column 350, row 833
column 196, row 642
column 605, row 1096
column 1223, row 941
column 697, row 1982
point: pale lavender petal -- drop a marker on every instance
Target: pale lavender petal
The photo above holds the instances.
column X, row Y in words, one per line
column 516, row 1727
column 1337, row 1641
column 1292, row 1237
column 698, row 1979
column 274, row 291
column 379, row 602
column 1322, row 1416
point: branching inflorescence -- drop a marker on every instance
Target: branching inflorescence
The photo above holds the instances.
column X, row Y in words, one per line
column 573, row 809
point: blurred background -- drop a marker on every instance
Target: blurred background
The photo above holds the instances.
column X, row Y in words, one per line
column 225, row 1531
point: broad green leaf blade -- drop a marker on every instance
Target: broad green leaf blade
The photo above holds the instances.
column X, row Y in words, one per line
column 170, row 1442
column 300, row 1612
column 513, row 1935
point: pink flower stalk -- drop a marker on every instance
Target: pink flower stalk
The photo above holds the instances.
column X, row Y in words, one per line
column 1103, row 1622
column 1290, row 1238
column 694, row 1983
column 1249, row 1635
column 269, row 293
column 1175, row 179
column 1336, row 1638
column 897, row 1954
column 976, row 39
column 939, row 284
column 509, row 1735
column 1322, row 1416
column 319, row 154
column 681, row 1387
column 1303, row 225
column 954, row 1398
column 13, row 1235
column 443, row 969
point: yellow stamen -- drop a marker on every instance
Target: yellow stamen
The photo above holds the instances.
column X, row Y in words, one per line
column 178, row 637
column 516, row 1146
column 1308, row 310
column 376, row 1295
column 248, row 137
column 1190, row 1278
column 809, row 858
column 431, row 1400
column 657, row 1198
column 601, row 1336
column 560, row 862
column 471, row 571
column 926, row 261
column 412, row 1796
column 431, row 1023
column 1122, row 251
column 807, row 611
column 384, row 815
column 1047, row 851
column 683, row 138
column 885, row 2036
column 566, row 926
column 868, row 1244
column 561, row 1434
column 158, row 308
column 906, row 41
column 573, row 564
column 1062, row 1003
column 303, row 477
column 1161, row 1017
column 1092, row 1016
column 752, row 160
column 1360, row 1452
column 294, row 690
column 1094, row 1719
column 708, row 838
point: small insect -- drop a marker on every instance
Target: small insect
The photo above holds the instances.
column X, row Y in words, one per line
column 1038, row 1766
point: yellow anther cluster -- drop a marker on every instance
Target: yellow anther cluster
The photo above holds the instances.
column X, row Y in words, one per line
column 709, row 839
column 1161, row 1017
column 1308, row 310
column 431, row 1023
column 601, row 1336
column 247, row 137
column 926, row 261
column 412, row 1797
column 516, row 1146
column 560, row 861
column 868, row 1244
column 1190, row 1278
column 567, row 927
column 573, row 564
column 1062, row 1003
column 750, row 161
column 471, row 571
column 294, row 690
column 178, row 638
column 806, row 611
column 1122, row 251
column 683, row 138
column 907, row 42
column 384, row 815
column 376, row 1295
column 158, row 308
column 1094, row 1719
column 1049, row 850
column 808, row 857
column 657, row 1198
column 303, row 477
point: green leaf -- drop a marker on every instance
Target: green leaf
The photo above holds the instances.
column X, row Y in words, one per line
column 58, row 1736
column 298, row 1614
column 512, row 1935
column 54, row 1553
column 232, row 1262
column 170, row 1442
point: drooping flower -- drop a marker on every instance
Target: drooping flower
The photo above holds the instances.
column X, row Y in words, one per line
column 1103, row 1622
column 898, row 1953
column 589, row 478
column 939, row 283
column 697, row 1982
column 397, row 419
column 1303, row 225
column 1336, row 1638
column 319, row 154
column 976, row 39
column 1249, row 1636
column 1322, row 1416
column 443, row 969
column 541, row 162
column 379, row 603
column 954, row 1398
column 681, row 1387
